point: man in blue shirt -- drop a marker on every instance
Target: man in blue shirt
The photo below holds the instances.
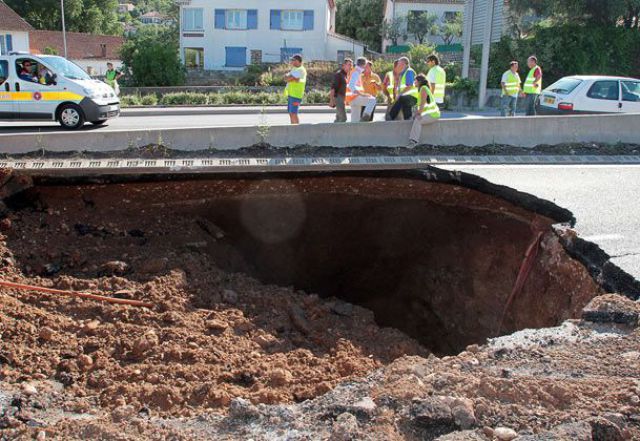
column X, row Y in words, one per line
column 25, row 73
column 407, row 92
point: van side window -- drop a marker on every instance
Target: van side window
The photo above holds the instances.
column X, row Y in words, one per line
column 26, row 69
column 4, row 71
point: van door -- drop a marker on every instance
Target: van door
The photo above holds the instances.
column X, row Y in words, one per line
column 34, row 90
column 630, row 96
column 7, row 105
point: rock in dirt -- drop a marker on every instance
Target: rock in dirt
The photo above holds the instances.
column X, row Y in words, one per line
column 243, row 409
column 431, row 412
column 114, row 268
column 29, row 389
column 216, row 325
column 605, row 430
column 466, row 435
column 580, row 431
column 299, row 319
column 144, row 343
column 229, row 296
column 612, row 308
column 464, row 415
column 504, row 433
column 345, row 428
column 153, row 266
column 342, row 308
column 46, row 334
column 212, row 229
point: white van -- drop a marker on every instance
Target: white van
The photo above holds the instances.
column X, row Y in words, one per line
column 51, row 88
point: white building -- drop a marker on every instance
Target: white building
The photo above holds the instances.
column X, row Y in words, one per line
column 443, row 9
column 14, row 31
column 228, row 34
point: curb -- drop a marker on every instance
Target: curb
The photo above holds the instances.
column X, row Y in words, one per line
column 169, row 111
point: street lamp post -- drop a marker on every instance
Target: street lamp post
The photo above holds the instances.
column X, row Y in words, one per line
column 64, row 29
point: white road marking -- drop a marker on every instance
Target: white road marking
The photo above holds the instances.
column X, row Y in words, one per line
column 603, row 237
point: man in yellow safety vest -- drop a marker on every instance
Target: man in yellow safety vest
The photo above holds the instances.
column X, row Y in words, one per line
column 296, row 83
column 532, row 85
column 437, row 78
column 510, row 85
column 407, row 91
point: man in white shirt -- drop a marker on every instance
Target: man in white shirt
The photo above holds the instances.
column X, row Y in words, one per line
column 357, row 97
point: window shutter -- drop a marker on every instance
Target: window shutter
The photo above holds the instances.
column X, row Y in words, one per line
column 9, row 42
column 252, row 19
column 308, row 21
column 220, row 19
column 275, row 19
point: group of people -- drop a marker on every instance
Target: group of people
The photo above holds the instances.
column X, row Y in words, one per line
column 357, row 86
column 512, row 88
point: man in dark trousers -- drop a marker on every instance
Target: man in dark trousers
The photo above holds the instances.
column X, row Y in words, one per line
column 339, row 90
column 407, row 91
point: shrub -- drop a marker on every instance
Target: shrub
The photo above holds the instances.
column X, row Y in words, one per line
column 181, row 98
column 149, row 100
column 317, row 97
column 129, row 100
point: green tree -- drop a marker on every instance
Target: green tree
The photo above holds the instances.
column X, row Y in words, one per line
column 452, row 29
column 151, row 58
column 394, row 30
column 92, row 16
column 595, row 12
column 362, row 20
column 420, row 24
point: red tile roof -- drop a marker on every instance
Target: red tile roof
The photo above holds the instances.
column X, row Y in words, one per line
column 79, row 45
column 11, row 21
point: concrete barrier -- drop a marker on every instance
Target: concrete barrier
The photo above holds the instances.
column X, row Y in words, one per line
column 522, row 132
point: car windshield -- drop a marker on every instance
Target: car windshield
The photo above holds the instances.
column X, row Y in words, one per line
column 65, row 68
column 564, row 86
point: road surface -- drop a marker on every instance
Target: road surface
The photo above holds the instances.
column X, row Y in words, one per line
column 252, row 118
column 604, row 200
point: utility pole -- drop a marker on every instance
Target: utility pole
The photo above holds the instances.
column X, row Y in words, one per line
column 486, row 50
column 64, row 29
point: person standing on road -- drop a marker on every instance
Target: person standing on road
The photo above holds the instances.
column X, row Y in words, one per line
column 112, row 76
column 428, row 111
column 356, row 96
column 510, row 84
column 437, row 78
column 390, row 87
column 372, row 83
column 338, row 91
column 407, row 91
column 532, row 85
column 296, row 82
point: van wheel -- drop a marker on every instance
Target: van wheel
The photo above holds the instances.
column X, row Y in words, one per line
column 71, row 117
column 99, row 122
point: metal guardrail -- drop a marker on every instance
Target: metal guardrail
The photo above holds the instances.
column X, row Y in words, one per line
column 82, row 166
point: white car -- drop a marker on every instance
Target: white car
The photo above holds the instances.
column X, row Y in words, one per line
column 590, row 94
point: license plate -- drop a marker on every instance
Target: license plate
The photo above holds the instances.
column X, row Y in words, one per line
column 549, row 100
column 113, row 108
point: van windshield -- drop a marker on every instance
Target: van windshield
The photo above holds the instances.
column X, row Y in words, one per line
column 65, row 68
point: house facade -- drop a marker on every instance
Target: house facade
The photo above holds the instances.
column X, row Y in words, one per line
column 14, row 31
column 443, row 9
column 227, row 34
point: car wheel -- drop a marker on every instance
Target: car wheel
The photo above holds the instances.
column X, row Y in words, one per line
column 71, row 117
column 99, row 122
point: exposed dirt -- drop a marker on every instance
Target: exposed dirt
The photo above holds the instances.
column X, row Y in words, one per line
column 265, row 150
column 443, row 258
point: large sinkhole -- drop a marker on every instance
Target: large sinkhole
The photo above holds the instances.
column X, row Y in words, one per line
column 431, row 254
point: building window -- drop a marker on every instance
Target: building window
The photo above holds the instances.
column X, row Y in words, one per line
column 192, row 19
column 344, row 54
column 449, row 16
column 292, row 20
column 236, row 19
column 256, row 56
column 236, row 56
column 194, row 57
